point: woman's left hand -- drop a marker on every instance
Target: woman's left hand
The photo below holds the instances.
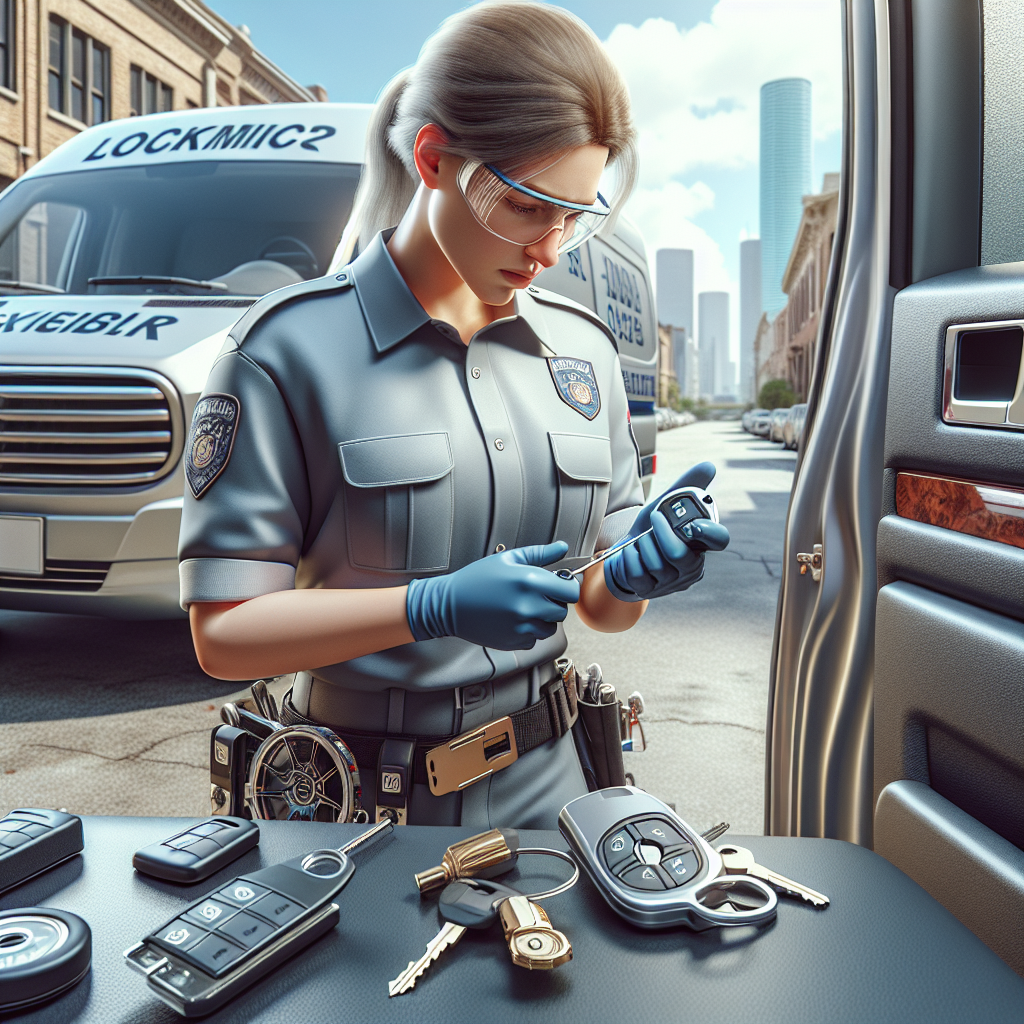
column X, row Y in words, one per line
column 659, row 562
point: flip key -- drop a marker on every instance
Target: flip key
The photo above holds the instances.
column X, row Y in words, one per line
column 230, row 938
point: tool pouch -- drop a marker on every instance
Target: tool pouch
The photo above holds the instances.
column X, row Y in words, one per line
column 597, row 737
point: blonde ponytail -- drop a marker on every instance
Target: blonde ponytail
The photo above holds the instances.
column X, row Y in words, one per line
column 509, row 82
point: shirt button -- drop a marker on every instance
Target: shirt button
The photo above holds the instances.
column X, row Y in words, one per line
column 476, row 372
column 499, row 444
column 499, row 547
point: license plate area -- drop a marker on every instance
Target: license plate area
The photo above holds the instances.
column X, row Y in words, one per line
column 21, row 545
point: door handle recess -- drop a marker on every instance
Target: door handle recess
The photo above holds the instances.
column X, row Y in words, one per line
column 983, row 375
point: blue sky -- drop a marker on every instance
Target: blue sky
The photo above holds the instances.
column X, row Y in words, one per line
column 694, row 68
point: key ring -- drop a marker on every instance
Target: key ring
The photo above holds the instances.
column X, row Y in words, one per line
column 558, row 890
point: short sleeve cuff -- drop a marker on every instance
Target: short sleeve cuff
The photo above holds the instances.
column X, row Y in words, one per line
column 616, row 526
column 232, row 579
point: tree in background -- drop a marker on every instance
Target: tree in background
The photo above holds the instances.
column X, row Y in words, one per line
column 776, row 394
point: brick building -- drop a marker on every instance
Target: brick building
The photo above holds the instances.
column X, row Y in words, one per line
column 69, row 64
column 785, row 347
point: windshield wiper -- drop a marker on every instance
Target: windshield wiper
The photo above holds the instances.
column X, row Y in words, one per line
column 186, row 282
column 32, row 286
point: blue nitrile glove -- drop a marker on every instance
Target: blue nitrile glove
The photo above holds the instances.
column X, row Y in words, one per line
column 505, row 601
column 660, row 563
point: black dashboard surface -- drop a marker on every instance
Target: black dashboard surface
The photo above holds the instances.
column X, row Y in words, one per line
column 883, row 951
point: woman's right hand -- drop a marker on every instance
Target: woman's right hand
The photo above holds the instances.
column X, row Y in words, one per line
column 505, row 601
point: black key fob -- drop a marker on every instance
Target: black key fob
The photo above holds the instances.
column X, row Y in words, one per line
column 33, row 840
column 197, row 852
column 233, row 937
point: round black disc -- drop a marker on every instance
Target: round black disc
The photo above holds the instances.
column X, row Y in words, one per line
column 43, row 952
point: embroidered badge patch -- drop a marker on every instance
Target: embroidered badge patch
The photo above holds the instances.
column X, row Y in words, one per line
column 210, row 440
column 577, row 385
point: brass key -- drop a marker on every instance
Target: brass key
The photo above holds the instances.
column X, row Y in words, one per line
column 533, row 943
column 740, row 861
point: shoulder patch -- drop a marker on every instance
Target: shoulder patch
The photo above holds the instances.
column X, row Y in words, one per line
column 577, row 384
column 555, row 299
column 210, row 440
column 261, row 307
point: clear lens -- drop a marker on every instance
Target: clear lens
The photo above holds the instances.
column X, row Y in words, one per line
column 519, row 218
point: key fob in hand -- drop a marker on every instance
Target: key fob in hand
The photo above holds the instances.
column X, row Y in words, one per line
column 686, row 504
column 233, row 937
column 196, row 853
column 33, row 840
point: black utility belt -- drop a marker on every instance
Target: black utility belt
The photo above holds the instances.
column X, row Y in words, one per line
column 280, row 764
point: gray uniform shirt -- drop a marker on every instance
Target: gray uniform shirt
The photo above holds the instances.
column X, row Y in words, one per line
column 364, row 445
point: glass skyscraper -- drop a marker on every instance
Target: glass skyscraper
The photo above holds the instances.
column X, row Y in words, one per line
column 785, row 178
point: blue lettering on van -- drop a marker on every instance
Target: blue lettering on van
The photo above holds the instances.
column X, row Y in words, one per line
column 275, row 138
column 639, row 385
column 100, row 322
column 16, row 318
column 575, row 264
column 229, row 136
column 192, row 137
column 325, row 130
column 53, row 323
column 121, row 326
column 151, row 146
column 120, row 150
column 151, row 326
column 624, row 309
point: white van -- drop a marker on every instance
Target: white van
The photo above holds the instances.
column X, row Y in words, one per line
column 125, row 257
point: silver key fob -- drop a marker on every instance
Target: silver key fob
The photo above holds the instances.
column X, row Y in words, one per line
column 234, row 936
column 653, row 869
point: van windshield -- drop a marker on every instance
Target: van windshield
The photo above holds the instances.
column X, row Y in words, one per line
column 198, row 228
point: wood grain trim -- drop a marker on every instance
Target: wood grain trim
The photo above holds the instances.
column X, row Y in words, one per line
column 981, row 510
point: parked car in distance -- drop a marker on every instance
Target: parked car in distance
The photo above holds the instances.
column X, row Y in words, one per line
column 793, row 428
column 760, row 422
column 748, row 418
column 666, row 418
column 778, row 421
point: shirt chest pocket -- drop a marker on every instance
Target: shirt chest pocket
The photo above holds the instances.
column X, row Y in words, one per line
column 584, row 464
column 399, row 501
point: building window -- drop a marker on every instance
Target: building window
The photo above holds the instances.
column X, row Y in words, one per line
column 7, row 43
column 149, row 94
column 79, row 74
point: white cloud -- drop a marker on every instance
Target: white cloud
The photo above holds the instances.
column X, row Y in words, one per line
column 695, row 95
column 695, row 91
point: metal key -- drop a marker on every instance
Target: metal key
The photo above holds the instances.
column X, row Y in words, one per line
column 466, row 903
column 740, row 861
column 533, row 943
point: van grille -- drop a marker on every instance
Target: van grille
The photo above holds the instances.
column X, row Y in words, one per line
column 83, row 577
column 86, row 426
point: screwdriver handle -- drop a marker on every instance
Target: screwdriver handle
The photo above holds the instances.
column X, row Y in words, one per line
column 481, row 856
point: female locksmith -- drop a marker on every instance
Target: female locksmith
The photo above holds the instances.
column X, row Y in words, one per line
column 385, row 460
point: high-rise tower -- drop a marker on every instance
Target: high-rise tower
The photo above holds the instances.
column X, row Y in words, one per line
column 675, row 309
column 713, row 331
column 750, row 314
column 785, row 178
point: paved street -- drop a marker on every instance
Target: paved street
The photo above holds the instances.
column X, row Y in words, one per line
column 109, row 717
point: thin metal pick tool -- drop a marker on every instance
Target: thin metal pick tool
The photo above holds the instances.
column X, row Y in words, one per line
column 597, row 559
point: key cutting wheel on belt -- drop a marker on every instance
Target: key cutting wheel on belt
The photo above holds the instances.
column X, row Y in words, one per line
column 304, row 773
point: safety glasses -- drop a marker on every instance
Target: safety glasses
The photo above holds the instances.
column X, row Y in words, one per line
column 518, row 214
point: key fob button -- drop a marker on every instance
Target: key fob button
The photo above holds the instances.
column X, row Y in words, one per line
column 618, row 849
column 207, row 828
column 644, row 876
column 215, row 953
column 681, row 867
column 12, row 840
column 276, row 908
column 181, row 934
column 35, row 830
column 654, row 830
column 180, row 842
column 242, row 893
column 204, row 848
column 210, row 913
column 248, row 930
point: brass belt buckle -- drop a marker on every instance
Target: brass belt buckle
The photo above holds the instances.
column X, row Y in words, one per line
column 471, row 757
